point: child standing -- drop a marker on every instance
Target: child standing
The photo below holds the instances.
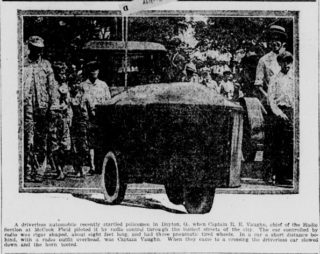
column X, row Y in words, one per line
column 61, row 116
column 281, row 99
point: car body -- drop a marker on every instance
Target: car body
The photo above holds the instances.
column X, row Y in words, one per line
column 182, row 135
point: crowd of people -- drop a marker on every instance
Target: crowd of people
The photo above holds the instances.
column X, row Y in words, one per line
column 59, row 101
column 218, row 60
column 59, row 114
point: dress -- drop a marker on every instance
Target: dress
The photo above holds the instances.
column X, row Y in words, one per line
column 40, row 93
column 281, row 99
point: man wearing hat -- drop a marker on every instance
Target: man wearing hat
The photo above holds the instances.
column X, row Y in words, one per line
column 268, row 65
column 281, row 100
column 40, row 94
column 191, row 74
column 97, row 92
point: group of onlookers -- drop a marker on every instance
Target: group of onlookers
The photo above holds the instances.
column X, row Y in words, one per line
column 59, row 114
column 59, row 103
column 269, row 78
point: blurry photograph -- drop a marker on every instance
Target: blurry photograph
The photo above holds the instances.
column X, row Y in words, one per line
column 182, row 103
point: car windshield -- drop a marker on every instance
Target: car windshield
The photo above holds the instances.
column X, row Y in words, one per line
column 146, row 62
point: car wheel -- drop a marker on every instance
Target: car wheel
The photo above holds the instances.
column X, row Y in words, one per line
column 198, row 200
column 113, row 187
column 174, row 193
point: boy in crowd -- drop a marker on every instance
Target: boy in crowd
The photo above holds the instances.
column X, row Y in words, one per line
column 207, row 79
column 96, row 92
column 59, row 128
column 79, row 129
column 281, row 100
column 227, row 87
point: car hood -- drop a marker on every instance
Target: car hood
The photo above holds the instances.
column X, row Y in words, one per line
column 172, row 93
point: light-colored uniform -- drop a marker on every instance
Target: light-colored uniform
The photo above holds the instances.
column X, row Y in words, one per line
column 267, row 68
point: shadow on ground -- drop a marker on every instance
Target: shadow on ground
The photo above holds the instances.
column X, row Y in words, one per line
column 133, row 201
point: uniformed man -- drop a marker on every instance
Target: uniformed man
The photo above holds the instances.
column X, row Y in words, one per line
column 40, row 94
column 97, row 92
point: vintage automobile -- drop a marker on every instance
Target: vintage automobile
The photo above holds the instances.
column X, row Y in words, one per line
column 182, row 135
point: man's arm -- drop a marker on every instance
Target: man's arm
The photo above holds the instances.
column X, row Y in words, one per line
column 52, row 86
column 260, row 72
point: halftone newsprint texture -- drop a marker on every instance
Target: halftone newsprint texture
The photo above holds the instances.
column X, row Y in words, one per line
column 190, row 127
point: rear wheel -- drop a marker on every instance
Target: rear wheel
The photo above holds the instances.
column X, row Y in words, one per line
column 112, row 183
column 198, row 199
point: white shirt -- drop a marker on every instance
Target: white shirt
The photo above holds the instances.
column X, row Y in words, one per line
column 97, row 93
column 267, row 68
column 281, row 91
column 227, row 87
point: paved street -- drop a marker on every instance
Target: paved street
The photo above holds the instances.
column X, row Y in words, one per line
column 152, row 196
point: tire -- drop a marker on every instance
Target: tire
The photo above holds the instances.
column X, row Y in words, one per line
column 198, row 200
column 113, row 187
column 174, row 193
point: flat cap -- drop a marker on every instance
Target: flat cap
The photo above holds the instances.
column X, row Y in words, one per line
column 36, row 41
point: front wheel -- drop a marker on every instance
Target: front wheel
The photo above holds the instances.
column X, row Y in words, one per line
column 113, row 187
column 198, row 200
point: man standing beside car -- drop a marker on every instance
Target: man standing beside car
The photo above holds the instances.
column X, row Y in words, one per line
column 268, row 67
column 97, row 92
column 40, row 96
